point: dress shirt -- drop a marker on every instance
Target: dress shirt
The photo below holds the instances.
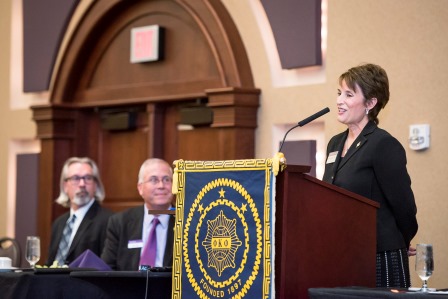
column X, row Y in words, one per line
column 80, row 213
column 161, row 232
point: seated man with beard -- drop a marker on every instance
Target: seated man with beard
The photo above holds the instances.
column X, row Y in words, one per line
column 84, row 226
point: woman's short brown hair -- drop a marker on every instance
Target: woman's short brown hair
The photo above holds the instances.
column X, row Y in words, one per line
column 373, row 82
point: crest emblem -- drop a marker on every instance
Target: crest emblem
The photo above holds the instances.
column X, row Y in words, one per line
column 221, row 243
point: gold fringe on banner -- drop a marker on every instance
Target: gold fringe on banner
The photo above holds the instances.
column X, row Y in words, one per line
column 278, row 163
column 174, row 188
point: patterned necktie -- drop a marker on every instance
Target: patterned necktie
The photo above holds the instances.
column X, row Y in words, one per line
column 63, row 244
column 148, row 257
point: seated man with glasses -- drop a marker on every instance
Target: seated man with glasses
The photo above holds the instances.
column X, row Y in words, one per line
column 136, row 239
column 84, row 226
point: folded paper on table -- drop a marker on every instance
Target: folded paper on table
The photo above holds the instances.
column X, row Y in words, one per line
column 88, row 259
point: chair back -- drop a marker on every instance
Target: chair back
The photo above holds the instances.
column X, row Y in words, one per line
column 9, row 247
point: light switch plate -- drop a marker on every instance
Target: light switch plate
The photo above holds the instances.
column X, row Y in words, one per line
column 419, row 136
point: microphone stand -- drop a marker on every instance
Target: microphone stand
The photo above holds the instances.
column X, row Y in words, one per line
column 283, row 141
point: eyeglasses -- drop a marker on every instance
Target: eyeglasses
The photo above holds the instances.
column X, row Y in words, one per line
column 155, row 180
column 76, row 179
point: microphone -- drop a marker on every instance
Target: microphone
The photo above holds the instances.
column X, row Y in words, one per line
column 304, row 122
column 313, row 117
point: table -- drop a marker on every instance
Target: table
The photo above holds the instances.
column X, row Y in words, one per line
column 374, row 293
column 128, row 284
column 85, row 285
column 30, row 285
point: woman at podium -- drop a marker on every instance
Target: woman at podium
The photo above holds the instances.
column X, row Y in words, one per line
column 367, row 160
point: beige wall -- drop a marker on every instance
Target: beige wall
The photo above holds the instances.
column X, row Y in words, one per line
column 407, row 37
column 15, row 125
column 4, row 102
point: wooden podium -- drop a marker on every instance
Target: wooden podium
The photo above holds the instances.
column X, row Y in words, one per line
column 325, row 236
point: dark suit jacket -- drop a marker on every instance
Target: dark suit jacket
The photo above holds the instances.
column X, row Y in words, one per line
column 375, row 167
column 123, row 227
column 91, row 233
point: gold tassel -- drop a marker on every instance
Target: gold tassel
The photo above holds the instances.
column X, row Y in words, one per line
column 174, row 187
column 278, row 163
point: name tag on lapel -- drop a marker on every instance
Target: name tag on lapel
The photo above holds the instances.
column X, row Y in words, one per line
column 135, row 244
column 332, row 157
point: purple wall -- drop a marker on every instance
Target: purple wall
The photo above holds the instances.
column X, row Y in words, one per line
column 44, row 24
column 26, row 199
column 296, row 25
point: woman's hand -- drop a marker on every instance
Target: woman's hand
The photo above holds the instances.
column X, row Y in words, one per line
column 412, row 251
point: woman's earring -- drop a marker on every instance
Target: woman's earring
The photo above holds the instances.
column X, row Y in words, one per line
column 367, row 111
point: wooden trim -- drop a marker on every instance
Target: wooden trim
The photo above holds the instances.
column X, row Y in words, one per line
column 206, row 59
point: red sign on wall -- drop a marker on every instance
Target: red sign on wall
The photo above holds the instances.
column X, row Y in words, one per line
column 145, row 44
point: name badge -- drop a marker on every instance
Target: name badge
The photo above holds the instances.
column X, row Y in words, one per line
column 332, row 157
column 135, row 244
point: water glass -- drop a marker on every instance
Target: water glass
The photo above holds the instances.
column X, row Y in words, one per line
column 424, row 264
column 32, row 253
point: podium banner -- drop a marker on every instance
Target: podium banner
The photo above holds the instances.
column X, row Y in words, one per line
column 223, row 240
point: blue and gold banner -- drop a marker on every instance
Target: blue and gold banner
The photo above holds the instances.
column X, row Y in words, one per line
column 224, row 244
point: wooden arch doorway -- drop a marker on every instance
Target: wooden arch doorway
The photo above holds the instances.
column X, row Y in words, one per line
column 120, row 113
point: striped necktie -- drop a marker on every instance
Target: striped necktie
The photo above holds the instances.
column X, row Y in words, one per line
column 65, row 240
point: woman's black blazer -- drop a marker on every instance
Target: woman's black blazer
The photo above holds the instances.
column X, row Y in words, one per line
column 375, row 167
